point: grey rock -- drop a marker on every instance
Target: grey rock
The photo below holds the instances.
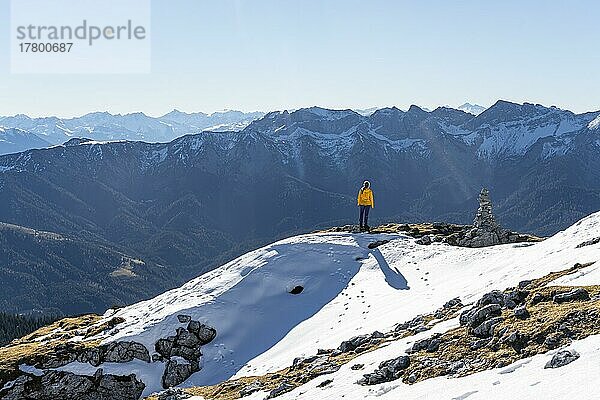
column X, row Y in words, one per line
column 186, row 338
column 184, row 318
column 579, row 294
column 120, row 352
column 538, row 298
column 475, row 316
column 478, row 344
column 388, row 370
column 493, row 297
column 176, row 373
column 552, row 341
column 251, row 388
column 351, row 345
column 590, row 242
column 173, row 394
column 356, row 367
column 455, row 302
column 524, row 284
column 424, row 240
column 486, row 329
column 281, row 389
column 205, row 333
column 521, row 312
column 66, row 385
column 325, row 383
column 562, row 358
column 165, row 346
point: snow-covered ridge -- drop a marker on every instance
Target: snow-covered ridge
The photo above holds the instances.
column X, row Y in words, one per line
column 348, row 289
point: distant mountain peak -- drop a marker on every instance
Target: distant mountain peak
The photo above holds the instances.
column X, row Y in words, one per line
column 474, row 109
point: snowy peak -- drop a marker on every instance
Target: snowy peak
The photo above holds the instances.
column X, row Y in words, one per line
column 474, row 109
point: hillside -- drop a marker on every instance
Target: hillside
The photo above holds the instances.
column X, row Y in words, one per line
column 371, row 297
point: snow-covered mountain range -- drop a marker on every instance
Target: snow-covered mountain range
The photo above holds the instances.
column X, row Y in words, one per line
column 104, row 126
column 323, row 316
column 285, row 173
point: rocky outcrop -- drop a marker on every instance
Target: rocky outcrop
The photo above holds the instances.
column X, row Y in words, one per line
column 117, row 352
column 186, row 343
column 66, row 385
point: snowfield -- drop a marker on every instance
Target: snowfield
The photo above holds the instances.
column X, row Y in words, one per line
column 349, row 289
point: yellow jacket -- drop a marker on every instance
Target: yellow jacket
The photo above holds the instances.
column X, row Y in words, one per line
column 365, row 198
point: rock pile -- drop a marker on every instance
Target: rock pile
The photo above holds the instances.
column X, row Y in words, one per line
column 485, row 230
column 186, row 343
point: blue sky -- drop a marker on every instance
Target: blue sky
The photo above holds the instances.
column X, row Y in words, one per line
column 280, row 54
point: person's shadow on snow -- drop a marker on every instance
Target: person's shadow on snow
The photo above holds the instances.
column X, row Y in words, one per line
column 393, row 277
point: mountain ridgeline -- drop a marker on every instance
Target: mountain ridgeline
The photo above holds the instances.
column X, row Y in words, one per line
column 185, row 206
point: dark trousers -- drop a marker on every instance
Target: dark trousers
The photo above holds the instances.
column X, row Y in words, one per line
column 364, row 215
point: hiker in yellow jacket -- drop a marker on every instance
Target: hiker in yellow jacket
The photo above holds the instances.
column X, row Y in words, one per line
column 365, row 203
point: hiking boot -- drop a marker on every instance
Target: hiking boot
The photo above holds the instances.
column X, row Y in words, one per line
column 360, row 228
column 367, row 228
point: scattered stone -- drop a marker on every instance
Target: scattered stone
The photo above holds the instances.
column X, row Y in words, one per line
column 493, row 297
column 431, row 344
column 478, row 344
column 281, row 389
column 521, row 312
column 455, row 302
column 184, row 318
column 525, row 283
column 477, row 315
column 424, row 240
column 579, row 294
column 173, row 394
column 562, row 358
column 325, row 383
column 552, row 341
column 486, row 329
column 589, row 242
column 377, row 243
column 251, row 388
column 356, row 367
column 538, row 298
column 388, row 371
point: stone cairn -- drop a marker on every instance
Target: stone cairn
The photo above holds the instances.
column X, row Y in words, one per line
column 486, row 231
column 485, row 219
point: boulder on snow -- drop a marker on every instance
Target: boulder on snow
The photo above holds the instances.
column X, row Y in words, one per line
column 184, row 318
column 205, row 333
column 562, row 358
column 176, row 373
column 388, row 370
column 281, row 389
